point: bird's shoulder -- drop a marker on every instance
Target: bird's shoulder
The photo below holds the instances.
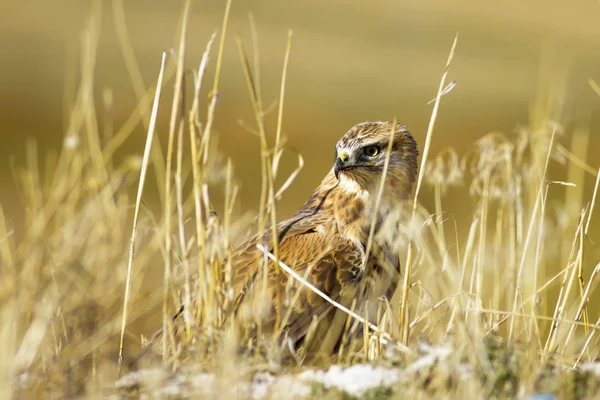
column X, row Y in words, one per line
column 311, row 236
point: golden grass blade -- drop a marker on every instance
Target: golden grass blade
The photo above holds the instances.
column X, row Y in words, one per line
column 586, row 345
column 8, row 343
column 198, row 179
column 527, row 315
column 562, row 150
column 293, row 299
column 221, row 47
column 290, row 178
column 255, row 53
column 266, row 175
column 268, row 196
column 432, row 120
column 138, row 201
column 446, row 90
column 380, row 191
column 528, row 237
column 585, row 298
column 143, row 96
column 593, row 203
column 594, row 86
column 6, row 253
column 404, row 307
column 198, row 83
column 181, row 227
column 175, row 113
column 565, row 289
column 286, row 60
column 131, row 63
column 35, row 334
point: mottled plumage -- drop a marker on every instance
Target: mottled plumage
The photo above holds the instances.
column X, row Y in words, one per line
column 326, row 241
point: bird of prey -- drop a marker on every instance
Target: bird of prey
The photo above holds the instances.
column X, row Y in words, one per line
column 331, row 243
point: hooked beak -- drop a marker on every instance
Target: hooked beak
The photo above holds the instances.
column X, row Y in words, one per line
column 340, row 163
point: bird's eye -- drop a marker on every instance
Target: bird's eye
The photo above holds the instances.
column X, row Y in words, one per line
column 371, row 151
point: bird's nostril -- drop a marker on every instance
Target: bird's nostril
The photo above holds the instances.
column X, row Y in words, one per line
column 344, row 156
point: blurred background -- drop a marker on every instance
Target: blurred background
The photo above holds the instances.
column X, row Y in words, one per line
column 351, row 61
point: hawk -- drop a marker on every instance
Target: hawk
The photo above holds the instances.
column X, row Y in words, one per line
column 327, row 242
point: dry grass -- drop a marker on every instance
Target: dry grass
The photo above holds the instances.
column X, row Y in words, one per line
column 511, row 295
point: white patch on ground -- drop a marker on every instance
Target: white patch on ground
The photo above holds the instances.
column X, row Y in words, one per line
column 593, row 367
column 354, row 380
column 265, row 385
column 430, row 358
column 142, row 375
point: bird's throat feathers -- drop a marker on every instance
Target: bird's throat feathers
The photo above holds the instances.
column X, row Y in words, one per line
column 352, row 188
column 354, row 207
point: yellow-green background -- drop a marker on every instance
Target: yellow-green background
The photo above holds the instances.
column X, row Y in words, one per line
column 351, row 61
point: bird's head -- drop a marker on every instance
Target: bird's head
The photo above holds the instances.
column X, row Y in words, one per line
column 361, row 156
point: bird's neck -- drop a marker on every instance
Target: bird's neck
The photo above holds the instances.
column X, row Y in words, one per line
column 356, row 211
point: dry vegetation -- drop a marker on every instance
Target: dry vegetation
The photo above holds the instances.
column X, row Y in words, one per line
column 509, row 296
